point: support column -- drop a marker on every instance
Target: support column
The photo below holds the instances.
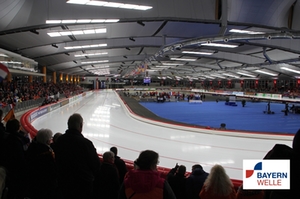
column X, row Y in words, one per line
column 8, row 77
column 61, row 77
column 54, row 77
column 30, row 78
column 45, row 73
column 67, row 78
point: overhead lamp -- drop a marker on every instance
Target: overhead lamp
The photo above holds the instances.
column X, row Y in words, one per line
column 94, row 62
column 246, row 32
column 219, row 45
column 75, row 62
column 197, row 53
column 125, row 57
column 183, row 59
column 3, row 55
column 141, row 23
column 267, row 73
column 80, row 21
column 54, row 45
column 110, row 4
column 131, row 38
column 220, row 76
column 77, row 32
column 172, row 64
column 291, row 70
column 127, row 48
column 245, row 74
column 230, row 75
column 91, row 54
column 85, row 46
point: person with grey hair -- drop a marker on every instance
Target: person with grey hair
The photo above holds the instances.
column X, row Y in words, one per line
column 40, row 166
column 77, row 161
column 107, row 183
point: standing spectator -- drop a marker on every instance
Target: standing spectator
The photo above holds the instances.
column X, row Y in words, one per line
column 195, row 181
column 54, row 140
column 42, row 176
column 217, row 185
column 77, row 161
column 12, row 157
column 107, row 183
column 120, row 164
column 145, row 181
column 177, row 180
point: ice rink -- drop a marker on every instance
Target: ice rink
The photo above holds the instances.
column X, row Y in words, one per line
column 107, row 123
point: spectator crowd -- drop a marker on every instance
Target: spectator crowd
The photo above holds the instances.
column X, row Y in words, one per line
column 67, row 166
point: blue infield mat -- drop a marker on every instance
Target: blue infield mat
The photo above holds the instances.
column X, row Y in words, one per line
column 212, row 114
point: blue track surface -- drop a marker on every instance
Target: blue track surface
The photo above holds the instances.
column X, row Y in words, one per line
column 212, row 114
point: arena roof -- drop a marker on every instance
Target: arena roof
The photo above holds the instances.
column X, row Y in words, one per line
column 196, row 40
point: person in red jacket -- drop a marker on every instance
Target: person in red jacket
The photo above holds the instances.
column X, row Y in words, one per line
column 145, row 181
column 217, row 185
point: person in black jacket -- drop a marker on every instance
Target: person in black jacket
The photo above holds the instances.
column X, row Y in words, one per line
column 12, row 157
column 107, row 183
column 194, row 182
column 77, row 161
column 120, row 164
column 177, row 180
column 41, row 171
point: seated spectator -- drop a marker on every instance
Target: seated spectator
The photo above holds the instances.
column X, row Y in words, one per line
column 107, row 183
column 145, row 181
column 217, row 185
column 120, row 164
column 41, row 171
column 195, row 181
column 177, row 180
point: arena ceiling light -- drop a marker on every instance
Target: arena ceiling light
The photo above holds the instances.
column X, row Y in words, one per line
column 110, row 4
column 85, row 46
column 77, row 32
column 230, row 75
column 81, row 21
column 265, row 72
column 172, row 64
column 183, row 59
column 197, row 53
column 95, row 62
column 245, row 74
column 90, row 54
column 246, row 32
column 291, row 70
column 219, row 45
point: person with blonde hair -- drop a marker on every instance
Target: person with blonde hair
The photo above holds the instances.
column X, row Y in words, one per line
column 217, row 185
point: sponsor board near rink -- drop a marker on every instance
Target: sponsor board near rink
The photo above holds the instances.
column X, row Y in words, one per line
column 266, row 174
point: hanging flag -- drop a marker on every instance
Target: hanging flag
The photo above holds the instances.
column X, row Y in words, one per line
column 10, row 115
column 3, row 72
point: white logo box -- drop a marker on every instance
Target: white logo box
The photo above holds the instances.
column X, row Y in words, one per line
column 269, row 174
